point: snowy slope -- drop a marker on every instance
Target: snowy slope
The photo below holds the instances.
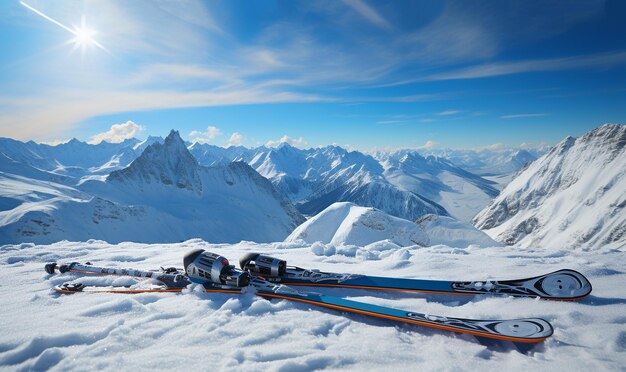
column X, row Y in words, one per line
column 195, row 331
column 350, row 224
column 461, row 193
column 572, row 197
column 163, row 196
column 452, row 232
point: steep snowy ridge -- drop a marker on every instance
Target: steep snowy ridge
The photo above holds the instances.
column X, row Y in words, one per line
column 574, row 196
column 350, row 224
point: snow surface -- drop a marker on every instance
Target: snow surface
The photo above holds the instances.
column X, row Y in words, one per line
column 574, row 196
column 198, row 331
column 349, row 224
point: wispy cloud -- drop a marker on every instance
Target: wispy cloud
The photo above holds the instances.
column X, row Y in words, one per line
column 448, row 112
column 518, row 67
column 368, row 13
column 519, row 116
column 60, row 110
column 429, row 145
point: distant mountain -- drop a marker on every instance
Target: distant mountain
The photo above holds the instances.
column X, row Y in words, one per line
column 312, row 179
column 487, row 162
column 317, row 178
column 163, row 196
column 69, row 161
column 460, row 192
column 572, row 197
column 350, row 224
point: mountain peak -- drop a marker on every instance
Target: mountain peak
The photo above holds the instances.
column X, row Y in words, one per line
column 174, row 138
column 168, row 164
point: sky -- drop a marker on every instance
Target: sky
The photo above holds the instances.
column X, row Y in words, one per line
column 371, row 75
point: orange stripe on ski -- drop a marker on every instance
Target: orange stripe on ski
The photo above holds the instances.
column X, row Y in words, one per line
column 405, row 320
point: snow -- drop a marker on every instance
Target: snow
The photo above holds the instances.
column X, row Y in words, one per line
column 346, row 223
column 403, row 184
column 461, row 193
column 163, row 196
column 195, row 330
column 574, row 196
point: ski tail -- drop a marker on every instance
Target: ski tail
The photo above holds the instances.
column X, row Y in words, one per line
column 166, row 276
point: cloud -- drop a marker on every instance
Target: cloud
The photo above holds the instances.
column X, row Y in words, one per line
column 207, row 136
column 493, row 147
column 118, row 133
column 56, row 111
column 537, row 65
column 235, row 139
column 368, row 13
column 54, row 142
column 429, row 145
column 448, row 112
column 296, row 142
column 519, row 116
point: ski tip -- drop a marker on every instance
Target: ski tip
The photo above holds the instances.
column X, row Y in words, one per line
column 531, row 330
column 565, row 284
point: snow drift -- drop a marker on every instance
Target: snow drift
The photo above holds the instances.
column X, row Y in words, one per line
column 349, row 224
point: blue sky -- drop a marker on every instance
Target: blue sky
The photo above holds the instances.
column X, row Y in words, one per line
column 367, row 74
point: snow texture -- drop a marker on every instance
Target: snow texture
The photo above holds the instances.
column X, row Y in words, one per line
column 344, row 224
column 572, row 197
column 197, row 331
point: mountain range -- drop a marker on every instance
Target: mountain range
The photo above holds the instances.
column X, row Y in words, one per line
column 160, row 190
column 164, row 195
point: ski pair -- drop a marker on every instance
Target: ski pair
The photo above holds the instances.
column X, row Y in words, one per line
column 563, row 285
column 216, row 275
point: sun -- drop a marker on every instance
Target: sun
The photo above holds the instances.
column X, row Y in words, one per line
column 83, row 36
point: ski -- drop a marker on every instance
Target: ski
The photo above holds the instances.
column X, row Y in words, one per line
column 565, row 285
column 216, row 275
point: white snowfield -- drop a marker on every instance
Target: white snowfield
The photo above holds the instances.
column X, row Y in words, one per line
column 197, row 331
column 349, row 224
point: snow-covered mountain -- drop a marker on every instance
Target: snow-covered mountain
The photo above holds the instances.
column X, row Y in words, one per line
column 163, row 196
column 488, row 162
column 574, row 196
column 68, row 162
column 461, row 193
column 317, row 178
column 349, row 224
column 311, row 178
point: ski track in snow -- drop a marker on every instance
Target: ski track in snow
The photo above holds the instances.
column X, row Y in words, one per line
column 42, row 330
